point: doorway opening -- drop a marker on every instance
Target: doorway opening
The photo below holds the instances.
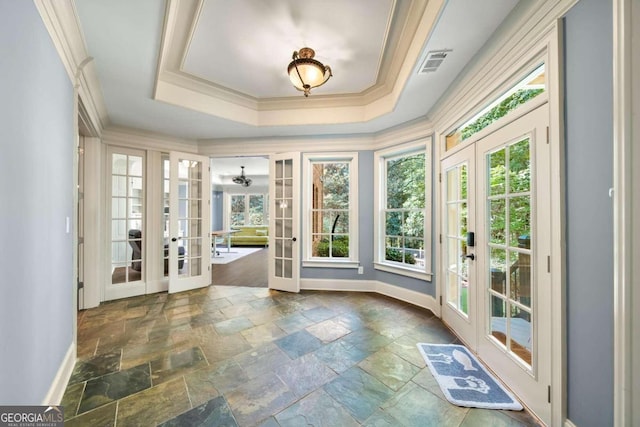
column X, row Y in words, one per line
column 239, row 221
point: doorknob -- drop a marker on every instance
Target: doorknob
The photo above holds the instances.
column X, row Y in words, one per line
column 293, row 239
column 471, row 256
column 174, row 239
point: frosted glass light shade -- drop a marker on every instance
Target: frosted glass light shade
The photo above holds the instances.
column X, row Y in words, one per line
column 306, row 73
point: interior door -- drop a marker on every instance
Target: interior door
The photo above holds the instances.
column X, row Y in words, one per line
column 189, row 222
column 284, row 218
column 513, row 255
column 459, row 307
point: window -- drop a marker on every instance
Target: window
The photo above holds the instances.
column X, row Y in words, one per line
column 528, row 88
column 248, row 209
column 403, row 243
column 331, row 210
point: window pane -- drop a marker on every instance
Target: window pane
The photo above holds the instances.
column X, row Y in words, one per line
column 497, row 222
column 393, row 223
column 497, row 172
column 519, row 167
column 519, row 220
column 414, row 224
column 406, row 182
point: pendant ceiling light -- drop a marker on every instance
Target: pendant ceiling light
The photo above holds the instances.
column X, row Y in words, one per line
column 241, row 179
column 305, row 72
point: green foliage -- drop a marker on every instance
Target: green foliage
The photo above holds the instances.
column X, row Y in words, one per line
column 396, row 255
column 500, row 110
column 406, row 192
column 339, row 247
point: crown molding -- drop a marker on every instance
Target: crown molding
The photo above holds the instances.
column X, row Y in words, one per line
column 408, row 132
column 176, row 87
column 129, row 137
column 61, row 21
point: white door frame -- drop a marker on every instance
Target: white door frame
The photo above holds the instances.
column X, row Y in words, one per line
column 626, row 204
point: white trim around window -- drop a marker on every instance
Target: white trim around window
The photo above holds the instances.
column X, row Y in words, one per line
column 424, row 270
column 308, row 260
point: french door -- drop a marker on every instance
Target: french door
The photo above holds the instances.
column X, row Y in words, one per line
column 189, row 222
column 284, row 214
column 164, row 247
column 459, row 309
column 496, row 244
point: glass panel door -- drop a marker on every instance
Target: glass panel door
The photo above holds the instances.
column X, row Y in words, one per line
column 284, row 262
column 127, row 225
column 189, row 222
column 459, row 309
column 515, row 301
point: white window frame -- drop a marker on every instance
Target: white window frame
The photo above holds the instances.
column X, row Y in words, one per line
column 308, row 160
column 247, row 197
column 380, row 158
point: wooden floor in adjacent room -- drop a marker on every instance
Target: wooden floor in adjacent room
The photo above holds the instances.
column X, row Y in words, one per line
column 250, row 270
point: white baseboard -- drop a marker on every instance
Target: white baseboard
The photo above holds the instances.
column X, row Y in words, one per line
column 59, row 385
column 412, row 297
column 568, row 423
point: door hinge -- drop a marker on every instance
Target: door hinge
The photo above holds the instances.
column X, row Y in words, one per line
column 441, row 238
column 440, row 177
column 80, row 240
column 549, row 394
column 440, row 299
column 548, row 264
column 547, row 134
column 80, row 285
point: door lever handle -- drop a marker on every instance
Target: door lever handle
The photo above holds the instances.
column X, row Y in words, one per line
column 471, row 256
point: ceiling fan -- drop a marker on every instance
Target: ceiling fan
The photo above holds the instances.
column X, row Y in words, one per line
column 241, row 179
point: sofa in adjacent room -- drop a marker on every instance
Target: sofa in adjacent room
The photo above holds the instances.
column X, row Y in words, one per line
column 250, row 235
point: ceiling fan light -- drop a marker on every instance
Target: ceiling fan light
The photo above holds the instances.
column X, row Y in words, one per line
column 241, row 179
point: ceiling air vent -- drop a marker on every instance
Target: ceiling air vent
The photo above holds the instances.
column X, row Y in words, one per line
column 433, row 60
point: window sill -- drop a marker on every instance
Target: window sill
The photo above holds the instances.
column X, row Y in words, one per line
column 330, row 264
column 403, row 271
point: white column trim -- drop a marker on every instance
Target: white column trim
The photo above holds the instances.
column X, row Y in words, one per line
column 625, row 235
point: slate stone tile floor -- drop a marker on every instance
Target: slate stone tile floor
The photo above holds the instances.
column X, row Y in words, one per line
column 245, row 356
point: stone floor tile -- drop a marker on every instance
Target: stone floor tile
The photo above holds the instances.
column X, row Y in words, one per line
column 104, row 416
column 258, row 399
column 360, row 393
column 261, row 360
column 340, row 355
column 262, row 334
column 95, row 366
column 328, row 330
column 305, row 374
column 317, row 409
column 298, row 344
column 176, row 364
column 108, row 388
column 414, row 406
column 392, row 370
column 215, row 412
column 154, row 405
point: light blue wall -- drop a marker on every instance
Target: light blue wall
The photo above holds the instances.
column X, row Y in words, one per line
column 589, row 167
column 36, row 184
column 216, row 210
column 365, row 231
